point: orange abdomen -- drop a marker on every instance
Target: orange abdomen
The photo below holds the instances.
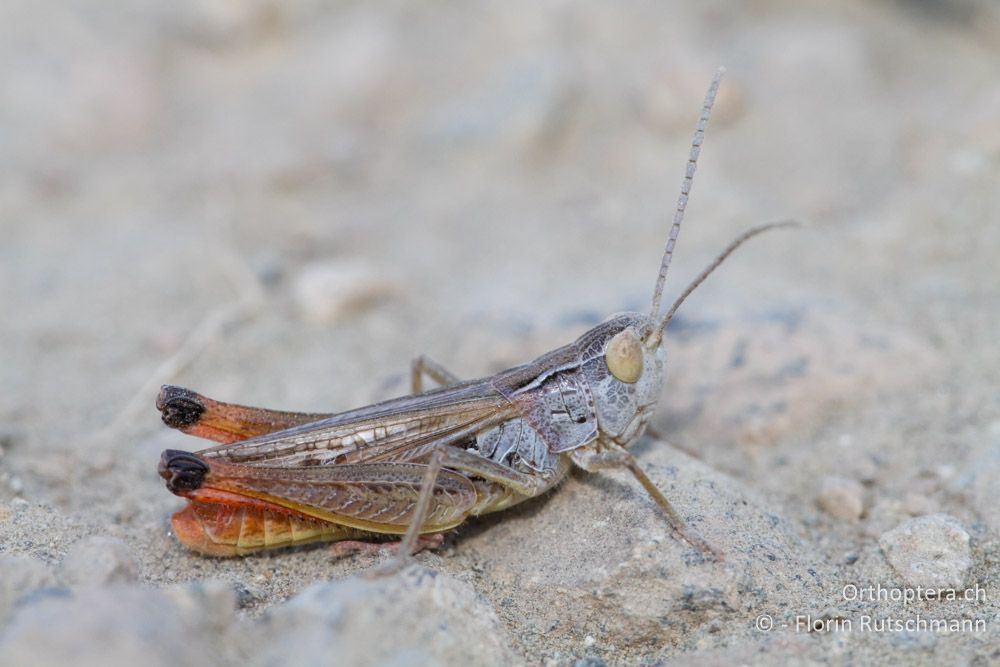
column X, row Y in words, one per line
column 239, row 528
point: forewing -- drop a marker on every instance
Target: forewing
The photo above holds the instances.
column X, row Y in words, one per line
column 402, row 429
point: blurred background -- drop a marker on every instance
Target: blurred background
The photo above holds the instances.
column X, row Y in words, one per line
column 281, row 203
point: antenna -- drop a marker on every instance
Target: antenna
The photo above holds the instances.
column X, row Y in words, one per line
column 740, row 240
column 682, row 200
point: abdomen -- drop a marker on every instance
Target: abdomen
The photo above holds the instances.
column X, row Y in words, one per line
column 217, row 529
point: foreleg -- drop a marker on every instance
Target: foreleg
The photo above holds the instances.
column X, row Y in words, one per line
column 612, row 456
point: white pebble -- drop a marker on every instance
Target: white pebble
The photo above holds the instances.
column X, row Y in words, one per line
column 931, row 551
column 324, row 291
column 841, row 498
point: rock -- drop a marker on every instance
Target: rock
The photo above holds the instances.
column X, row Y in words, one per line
column 99, row 561
column 841, row 498
column 930, row 551
column 324, row 291
column 415, row 617
column 19, row 577
column 118, row 626
column 598, row 558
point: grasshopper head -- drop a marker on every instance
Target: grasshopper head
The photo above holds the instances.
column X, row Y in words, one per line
column 625, row 373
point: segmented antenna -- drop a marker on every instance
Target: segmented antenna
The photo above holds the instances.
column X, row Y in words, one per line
column 740, row 240
column 682, row 200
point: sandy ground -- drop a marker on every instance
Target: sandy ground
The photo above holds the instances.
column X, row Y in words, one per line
column 281, row 203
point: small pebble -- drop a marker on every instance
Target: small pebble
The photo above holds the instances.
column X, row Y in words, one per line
column 15, row 484
column 931, row 551
column 99, row 561
column 841, row 498
column 325, row 291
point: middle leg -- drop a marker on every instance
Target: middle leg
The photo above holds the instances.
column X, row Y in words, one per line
column 424, row 365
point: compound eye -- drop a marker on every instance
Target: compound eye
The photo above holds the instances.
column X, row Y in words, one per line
column 624, row 356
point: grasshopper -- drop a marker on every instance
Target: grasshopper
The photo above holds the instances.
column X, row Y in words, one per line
column 422, row 464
